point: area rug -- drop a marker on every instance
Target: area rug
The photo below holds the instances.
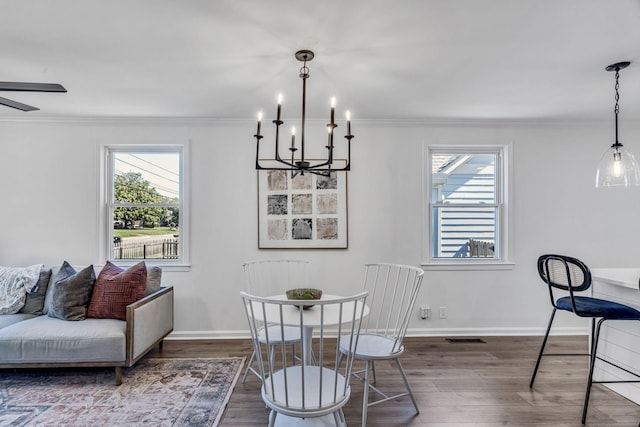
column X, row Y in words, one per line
column 154, row 392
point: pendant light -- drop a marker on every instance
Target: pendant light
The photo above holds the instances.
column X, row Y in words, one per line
column 617, row 167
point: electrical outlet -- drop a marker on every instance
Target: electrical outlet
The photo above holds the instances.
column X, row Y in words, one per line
column 443, row 312
column 425, row 312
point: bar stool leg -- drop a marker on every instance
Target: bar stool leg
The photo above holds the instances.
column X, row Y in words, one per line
column 594, row 349
column 544, row 343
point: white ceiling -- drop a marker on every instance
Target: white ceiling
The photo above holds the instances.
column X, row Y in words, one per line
column 383, row 59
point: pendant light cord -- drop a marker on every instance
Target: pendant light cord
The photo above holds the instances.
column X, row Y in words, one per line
column 616, row 109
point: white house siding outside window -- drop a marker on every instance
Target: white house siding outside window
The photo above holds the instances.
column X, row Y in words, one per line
column 467, row 210
column 146, row 209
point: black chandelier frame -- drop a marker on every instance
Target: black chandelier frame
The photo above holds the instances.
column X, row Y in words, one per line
column 301, row 164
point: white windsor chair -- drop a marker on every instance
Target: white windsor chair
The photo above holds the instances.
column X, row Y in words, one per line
column 393, row 289
column 316, row 391
column 273, row 277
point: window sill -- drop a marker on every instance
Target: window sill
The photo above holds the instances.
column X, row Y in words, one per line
column 468, row 266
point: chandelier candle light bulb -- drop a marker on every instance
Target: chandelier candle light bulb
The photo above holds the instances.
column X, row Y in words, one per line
column 333, row 109
column 293, row 137
column 259, row 121
column 279, row 106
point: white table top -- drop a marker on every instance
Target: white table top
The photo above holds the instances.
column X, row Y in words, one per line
column 625, row 277
column 312, row 318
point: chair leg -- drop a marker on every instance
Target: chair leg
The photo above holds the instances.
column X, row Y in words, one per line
column 406, row 383
column 544, row 343
column 365, row 395
column 293, row 354
column 594, row 349
column 313, row 356
column 246, row 371
column 272, row 354
column 272, row 418
column 373, row 369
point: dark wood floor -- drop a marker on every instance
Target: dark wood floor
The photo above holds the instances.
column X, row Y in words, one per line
column 469, row 384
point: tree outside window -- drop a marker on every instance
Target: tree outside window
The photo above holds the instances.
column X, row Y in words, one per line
column 145, row 203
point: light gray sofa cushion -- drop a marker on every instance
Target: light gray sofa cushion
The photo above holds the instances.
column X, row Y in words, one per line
column 45, row 339
column 10, row 319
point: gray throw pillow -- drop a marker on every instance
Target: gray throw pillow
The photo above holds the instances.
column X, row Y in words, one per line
column 154, row 279
column 71, row 293
column 47, row 298
column 35, row 299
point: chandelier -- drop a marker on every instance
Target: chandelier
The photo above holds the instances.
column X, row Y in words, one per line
column 617, row 167
column 296, row 160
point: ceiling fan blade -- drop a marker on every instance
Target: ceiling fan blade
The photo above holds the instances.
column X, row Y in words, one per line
column 17, row 105
column 31, row 87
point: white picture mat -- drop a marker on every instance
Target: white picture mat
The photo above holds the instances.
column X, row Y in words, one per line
column 304, row 212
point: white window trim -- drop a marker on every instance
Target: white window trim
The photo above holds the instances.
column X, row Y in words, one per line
column 505, row 231
column 105, row 226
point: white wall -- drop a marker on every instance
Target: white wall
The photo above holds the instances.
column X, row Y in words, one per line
column 49, row 178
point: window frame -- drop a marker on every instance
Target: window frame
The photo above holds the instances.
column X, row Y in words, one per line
column 108, row 203
column 503, row 234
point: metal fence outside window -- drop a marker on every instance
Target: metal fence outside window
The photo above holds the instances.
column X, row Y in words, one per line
column 155, row 249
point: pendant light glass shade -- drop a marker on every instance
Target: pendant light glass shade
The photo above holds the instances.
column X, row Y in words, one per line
column 617, row 168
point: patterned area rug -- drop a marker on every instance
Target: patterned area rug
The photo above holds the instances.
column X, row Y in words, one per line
column 155, row 392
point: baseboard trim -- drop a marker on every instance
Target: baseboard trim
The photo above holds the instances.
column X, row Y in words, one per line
column 492, row 332
column 208, row 335
column 417, row 332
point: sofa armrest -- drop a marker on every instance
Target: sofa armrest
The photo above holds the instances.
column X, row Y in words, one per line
column 149, row 320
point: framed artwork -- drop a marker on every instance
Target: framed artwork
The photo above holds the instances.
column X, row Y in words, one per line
column 303, row 212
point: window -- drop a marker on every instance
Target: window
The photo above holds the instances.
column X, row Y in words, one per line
column 467, row 210
column 145, row 204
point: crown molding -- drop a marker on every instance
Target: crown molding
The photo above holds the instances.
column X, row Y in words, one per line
column 243, row 122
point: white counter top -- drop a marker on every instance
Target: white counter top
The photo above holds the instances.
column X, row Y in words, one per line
column 619, row 340
column 625, row 277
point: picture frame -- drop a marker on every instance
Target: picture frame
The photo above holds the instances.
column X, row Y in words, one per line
column 306, row 211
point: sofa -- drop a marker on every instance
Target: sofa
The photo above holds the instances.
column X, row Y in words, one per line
column 71, row 318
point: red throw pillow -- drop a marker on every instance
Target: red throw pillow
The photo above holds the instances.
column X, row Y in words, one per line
column 116, row 288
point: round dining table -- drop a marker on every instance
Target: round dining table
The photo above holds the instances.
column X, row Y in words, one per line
column 312, row 317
